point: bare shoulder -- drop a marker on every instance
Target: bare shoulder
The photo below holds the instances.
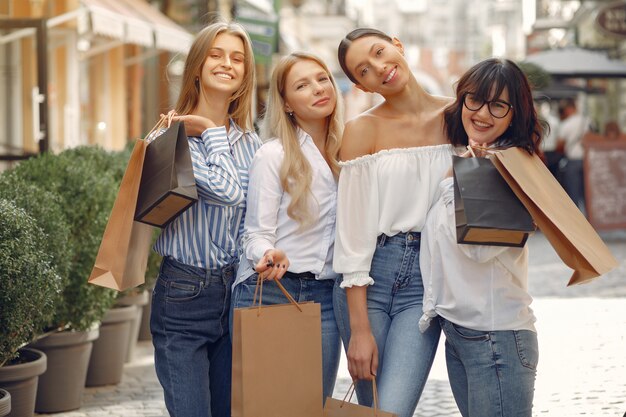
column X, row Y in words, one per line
column 359, row 137
column 441, row 102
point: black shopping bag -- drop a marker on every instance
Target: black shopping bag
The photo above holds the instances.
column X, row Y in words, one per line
column 168, row 186
column 487, row 210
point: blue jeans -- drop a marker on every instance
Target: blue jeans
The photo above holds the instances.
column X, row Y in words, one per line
column 394, row 305
column 492, row 373
column 192, row 348
column 302, row 290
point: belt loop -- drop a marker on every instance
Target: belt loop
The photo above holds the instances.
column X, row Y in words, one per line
column 381, row 240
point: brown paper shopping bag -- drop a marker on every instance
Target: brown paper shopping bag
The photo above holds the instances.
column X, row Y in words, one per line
column 277, row 360
column 567, row 229
column 123, row 254
column 344, row 408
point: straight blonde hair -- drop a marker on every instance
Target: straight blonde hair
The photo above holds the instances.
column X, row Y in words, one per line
column 296, row 173
column 240, row 107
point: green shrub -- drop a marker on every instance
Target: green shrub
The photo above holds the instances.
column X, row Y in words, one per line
column 29, row 284
column 86, row 185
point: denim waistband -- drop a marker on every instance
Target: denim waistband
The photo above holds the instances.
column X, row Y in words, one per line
column 409, row 238
column 170, row 267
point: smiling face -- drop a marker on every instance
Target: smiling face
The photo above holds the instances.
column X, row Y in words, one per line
column 377, row 64
column 223, row 69
column 481, row 126
column 309, row 92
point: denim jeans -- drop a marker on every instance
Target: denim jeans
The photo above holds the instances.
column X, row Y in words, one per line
column 192, row 348
column 492, row 373
column 394, row 304
column 302, row 290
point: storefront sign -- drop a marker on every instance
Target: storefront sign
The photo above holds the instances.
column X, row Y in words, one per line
column 611, row 19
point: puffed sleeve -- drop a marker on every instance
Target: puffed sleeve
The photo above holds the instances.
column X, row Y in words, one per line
column 357, row 221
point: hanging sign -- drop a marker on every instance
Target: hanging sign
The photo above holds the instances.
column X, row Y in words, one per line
column 611, row 19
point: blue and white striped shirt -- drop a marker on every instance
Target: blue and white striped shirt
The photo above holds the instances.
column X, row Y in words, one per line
column 207, row 234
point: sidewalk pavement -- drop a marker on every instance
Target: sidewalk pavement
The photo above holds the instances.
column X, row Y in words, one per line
column 582, row 345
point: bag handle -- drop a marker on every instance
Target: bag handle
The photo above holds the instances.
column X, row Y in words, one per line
column 352, row 389
column 259, row 290
column 160, row 124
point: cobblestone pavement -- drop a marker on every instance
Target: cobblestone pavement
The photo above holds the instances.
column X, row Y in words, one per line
column 582, row 343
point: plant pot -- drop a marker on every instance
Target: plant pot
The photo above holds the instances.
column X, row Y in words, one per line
column 5, row 403
column 144, row 327
column 140, row 300
column 21, row 381
column 109, row 351
column 61, row 387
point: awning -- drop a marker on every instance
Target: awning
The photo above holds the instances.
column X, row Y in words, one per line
column 136, row 22
column 578, row 63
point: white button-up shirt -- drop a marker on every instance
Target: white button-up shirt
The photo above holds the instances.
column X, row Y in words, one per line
column 475, row 286
column 267, row 224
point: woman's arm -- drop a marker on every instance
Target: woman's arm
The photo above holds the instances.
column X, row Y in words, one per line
column 362, row 350
column 263, row 204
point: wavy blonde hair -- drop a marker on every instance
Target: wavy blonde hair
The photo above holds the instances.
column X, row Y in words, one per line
column 240, row 108
column 296, row 174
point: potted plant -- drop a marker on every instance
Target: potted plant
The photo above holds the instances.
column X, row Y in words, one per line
column 29, row 287
column 86, row 190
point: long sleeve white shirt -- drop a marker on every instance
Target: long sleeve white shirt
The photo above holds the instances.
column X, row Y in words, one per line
column 267, row 224
column 475, row 286
column 388, row 192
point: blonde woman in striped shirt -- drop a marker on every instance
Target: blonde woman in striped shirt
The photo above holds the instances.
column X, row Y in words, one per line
column 191, row 298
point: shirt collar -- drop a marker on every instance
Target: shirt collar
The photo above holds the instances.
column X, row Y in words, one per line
column 235, row 132
column 302, row 136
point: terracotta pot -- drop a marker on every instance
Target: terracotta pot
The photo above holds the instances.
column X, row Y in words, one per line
column 106, row 365
column 21, row 382
column 5, row 403
column 61, row 387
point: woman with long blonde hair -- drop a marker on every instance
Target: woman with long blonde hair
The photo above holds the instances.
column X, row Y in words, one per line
column 191, row 298
column 290, row 226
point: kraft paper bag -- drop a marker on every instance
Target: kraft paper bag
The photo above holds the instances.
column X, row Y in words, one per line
column 344, row 408
column 123, row 254
column 277, row 360
column 567, row 229
column 168, row 185
column 487, row 211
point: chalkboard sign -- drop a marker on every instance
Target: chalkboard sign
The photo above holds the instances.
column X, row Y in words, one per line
column 605, row 183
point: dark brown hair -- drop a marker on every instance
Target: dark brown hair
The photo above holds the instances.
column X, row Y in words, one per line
column 347, row 41
column 486, row 80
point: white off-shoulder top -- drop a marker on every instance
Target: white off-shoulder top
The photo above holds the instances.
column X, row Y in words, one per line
column 387, row 192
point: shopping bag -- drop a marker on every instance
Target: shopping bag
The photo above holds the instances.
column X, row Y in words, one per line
column 123, row 253
column 168, row 186
column 344, row 408
column 558, row 218
column 277, row 360
column 486, row 209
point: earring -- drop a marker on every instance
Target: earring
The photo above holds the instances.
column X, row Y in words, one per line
column 197, row 83
column 290, row 113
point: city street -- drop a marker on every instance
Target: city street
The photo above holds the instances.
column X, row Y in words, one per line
column 582, row 342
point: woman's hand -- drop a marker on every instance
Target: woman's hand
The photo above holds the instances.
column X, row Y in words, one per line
column 194, row 124
column 273, row 265
column 362, row 355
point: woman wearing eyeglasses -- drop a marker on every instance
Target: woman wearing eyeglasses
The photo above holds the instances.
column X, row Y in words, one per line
column 480, row 293
column 394, row 156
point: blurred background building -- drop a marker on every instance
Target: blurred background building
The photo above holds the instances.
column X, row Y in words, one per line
column 100, row 71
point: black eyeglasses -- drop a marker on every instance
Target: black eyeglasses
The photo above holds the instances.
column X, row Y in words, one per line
column 497, row 108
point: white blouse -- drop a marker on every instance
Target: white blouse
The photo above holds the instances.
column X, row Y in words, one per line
column 388, row 192
column 475, row 286
column 267, row 224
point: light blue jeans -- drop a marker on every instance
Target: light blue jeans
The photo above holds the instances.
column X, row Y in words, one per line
column 394, row 305
column 492, row 374
column 301, row 290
